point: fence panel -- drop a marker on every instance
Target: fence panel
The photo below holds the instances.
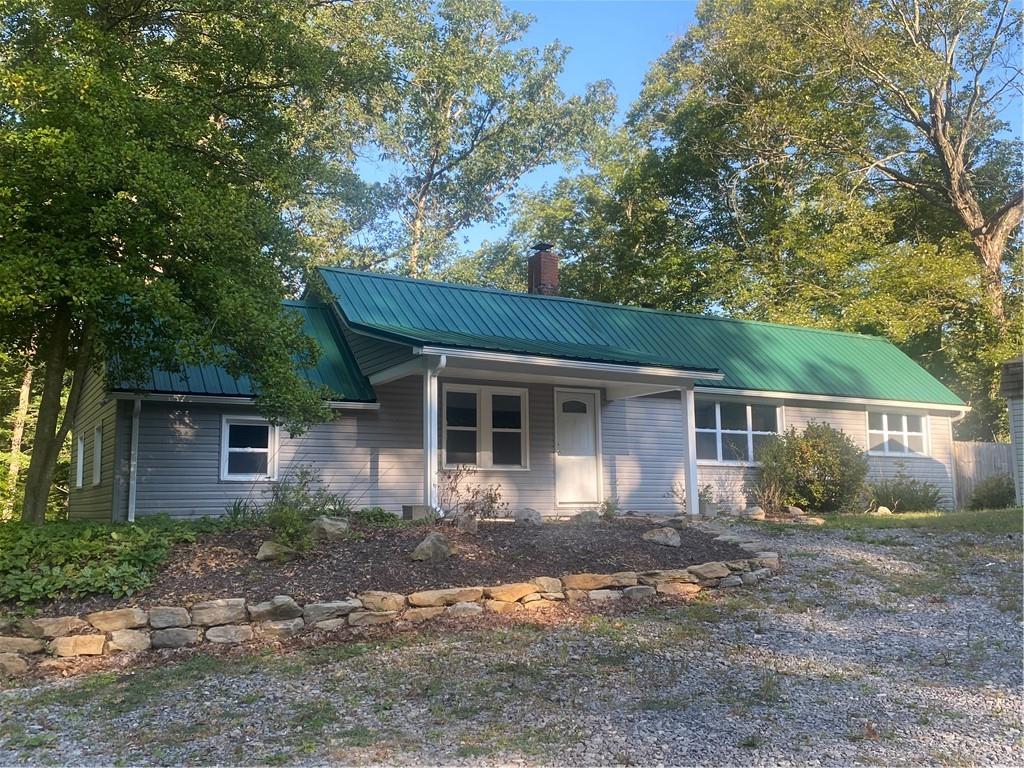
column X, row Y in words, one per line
column 976, row 462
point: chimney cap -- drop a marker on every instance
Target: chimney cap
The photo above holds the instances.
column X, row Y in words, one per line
column 538, row 247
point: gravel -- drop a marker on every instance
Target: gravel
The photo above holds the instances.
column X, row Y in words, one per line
column 884, row 647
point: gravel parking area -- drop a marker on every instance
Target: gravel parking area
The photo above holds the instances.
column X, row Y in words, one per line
column 872, row 647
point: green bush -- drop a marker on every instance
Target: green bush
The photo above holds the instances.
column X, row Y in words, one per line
column 295, row 502
column 905, row 494
column 74, row 559
column 820, row 469
column 994, row 492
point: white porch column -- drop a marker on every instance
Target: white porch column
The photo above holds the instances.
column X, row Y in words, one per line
column 430, row 431
column 689, row 421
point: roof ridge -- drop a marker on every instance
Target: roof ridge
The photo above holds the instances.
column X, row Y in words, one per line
column 589, row 302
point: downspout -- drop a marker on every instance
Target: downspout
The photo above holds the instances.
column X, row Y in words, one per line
column 952, row 452
column 133, row 462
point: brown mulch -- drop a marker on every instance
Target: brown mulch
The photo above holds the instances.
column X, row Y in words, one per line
column 223, row 564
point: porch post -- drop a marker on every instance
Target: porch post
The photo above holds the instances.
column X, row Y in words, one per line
column 689, row 420
column 430, row 431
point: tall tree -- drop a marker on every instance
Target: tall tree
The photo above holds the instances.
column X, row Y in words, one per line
column 477, row 111
column 147, row 151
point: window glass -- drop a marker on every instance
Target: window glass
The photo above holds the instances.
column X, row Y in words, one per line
column 874, row 420
column 246, row 463
column 506, row 449
column 704, row 411
column 896, row 444
column 762, row 418
column 914, row 423
column 574, row 406
column 707, row 446
column 506, row 412
column 895, row 422
column 461, row 447
column 876, row 441
column 734, row 415
column 461, row 409
column 759, row 442
column 248, row 436
column 734, row 448
column 916, row 443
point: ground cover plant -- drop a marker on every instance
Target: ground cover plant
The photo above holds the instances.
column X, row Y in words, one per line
column 993, row 492
column 1009, row 521
column 906, row 494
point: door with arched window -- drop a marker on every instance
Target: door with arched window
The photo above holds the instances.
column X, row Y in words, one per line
column 577, row 470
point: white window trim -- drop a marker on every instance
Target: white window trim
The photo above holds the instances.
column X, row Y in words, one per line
column 272, row 449
column 749, row 432
column 885, row 432
column 97, row 455
column 483, row 429
column 79, row 461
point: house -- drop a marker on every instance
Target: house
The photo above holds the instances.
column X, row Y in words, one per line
column 565, row 403
column 1011, row 386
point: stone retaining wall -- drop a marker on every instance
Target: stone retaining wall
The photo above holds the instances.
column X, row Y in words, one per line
column 234, row 620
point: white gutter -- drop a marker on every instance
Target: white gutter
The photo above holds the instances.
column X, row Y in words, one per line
column 227, row 400
column 962, row 409
column 133, row 468
column 557, row 362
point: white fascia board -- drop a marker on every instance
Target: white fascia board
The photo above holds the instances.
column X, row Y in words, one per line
column 408, row 368
column 227, row 400
column 565, row 364
column 866, row 401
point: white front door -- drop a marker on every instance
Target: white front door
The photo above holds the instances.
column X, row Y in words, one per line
column 577, row 479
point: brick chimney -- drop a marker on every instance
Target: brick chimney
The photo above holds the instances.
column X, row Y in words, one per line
column 542, row 270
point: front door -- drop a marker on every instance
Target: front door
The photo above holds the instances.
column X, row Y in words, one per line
column 577, row 480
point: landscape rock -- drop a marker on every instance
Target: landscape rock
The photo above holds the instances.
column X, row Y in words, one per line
column 731, row 581
column 129, row 640
column 748, row 578
column 811, row 520
column 793, row 510
column 12, row 665
column 575, row 595
column 277, row 608
column 587, row 581
column 552, row 595
column 678, row 589
column 528, row 516
column 761, row 573
column 120, row 618
column 279, row 628
column 548, row 584
column 653, row 578
column 586, row 517
column 500, row 606
column 330, row 625
column 511, row 592
column 230, row 634
column 882, row 510
column 432, row 597
column 640, row 592
column 226, row 610
column 329, row 528
column 530, row 597
column 464, row 609
column 434, row 548
column 164, row 616
column 467, row 524
column 538, row 605
column 423, row 614
column 315, row 613
column 737, row 565
column 20, row 644
column 375, row 600
column 271, row 550
column 713, row 570
column 59, row 626
column 755, row 513
column 78, row 645
column 364, row 618
column 667, row 537
column 175, row 637
column 769, row 560
column 604, row 595
column 624, row 579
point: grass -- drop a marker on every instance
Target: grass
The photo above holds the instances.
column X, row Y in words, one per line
column 981, row 521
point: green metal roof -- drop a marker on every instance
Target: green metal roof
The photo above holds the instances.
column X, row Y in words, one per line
column 335, row 369
column 752, row 355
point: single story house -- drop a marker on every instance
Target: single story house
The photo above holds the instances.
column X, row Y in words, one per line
column 565, row 403
column 1011, row 386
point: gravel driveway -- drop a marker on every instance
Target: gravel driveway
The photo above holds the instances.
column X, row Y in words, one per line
column 878, row 647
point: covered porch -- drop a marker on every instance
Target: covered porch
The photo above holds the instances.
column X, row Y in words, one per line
column 558, row 435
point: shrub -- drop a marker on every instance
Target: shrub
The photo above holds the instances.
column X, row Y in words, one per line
column 995, row 492
column 460, row 498
column 74, row 559
column 295, row 502
column 905, row 494
column 819, row 469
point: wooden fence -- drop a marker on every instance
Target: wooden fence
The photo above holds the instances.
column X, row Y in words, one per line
column 976, row 461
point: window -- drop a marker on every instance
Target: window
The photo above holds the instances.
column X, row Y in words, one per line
column 485, row 427
column 248, row 449
column 79, row 461
column 97, row 455
column 895, row 433
column 734, row 432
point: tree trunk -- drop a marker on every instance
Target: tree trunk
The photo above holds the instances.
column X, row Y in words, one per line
column 990, row 250
column 17, row 433
column 416, row 237
column 51, row 429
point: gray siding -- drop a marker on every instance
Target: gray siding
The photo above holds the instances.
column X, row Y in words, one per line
column 374, row 355
column 644, row 449
column 96, row 409
column 1015, row 406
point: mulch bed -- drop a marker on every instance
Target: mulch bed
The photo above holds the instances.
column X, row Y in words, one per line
column 223, row 564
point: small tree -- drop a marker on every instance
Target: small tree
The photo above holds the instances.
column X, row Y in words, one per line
column 820, row 469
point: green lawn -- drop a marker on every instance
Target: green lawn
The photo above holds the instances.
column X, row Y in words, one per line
column 977, row 521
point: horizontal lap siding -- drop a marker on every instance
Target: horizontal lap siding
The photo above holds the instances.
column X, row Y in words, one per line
column 1016, row 409
column 95, row 409
column 644, row 449
column 729, row 487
